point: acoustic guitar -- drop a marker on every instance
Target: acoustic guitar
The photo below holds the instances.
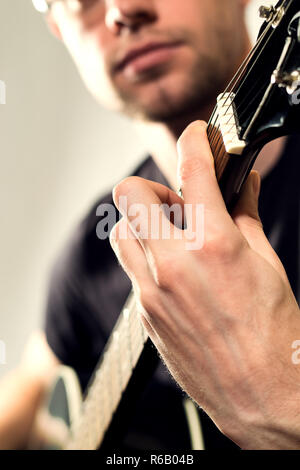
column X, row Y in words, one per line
column 260, row 104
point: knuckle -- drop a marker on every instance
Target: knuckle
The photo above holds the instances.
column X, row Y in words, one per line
column 168, row 271
column 254, row 223
column 123, row 188
column 149, row 304
column 147, row 326
column 192, row 166
column 223, row 248
column 146, row 298
column 192, row 160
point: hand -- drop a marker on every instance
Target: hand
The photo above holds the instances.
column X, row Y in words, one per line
column 222, row 316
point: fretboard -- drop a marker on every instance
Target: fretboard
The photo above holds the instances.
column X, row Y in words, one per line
column 110, row 379
column 217, row 144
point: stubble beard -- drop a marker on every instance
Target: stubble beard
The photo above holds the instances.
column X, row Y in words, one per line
column 206, row 80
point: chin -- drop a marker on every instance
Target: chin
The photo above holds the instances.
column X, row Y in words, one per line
column 165, row 100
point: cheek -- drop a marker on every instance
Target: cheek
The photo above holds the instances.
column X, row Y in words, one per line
column 87, row 47
column 190, row 15
column 179, row 10
column 82, row 40
column 93, row 71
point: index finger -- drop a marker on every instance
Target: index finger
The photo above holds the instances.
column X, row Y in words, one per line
column 144, row 203
column 197, row 177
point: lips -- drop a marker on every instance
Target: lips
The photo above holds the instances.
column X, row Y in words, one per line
column 136, row 53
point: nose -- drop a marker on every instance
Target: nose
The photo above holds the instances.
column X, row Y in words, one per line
column 129, row 15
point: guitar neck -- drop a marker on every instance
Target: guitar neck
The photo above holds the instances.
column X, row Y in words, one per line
column 110, row 379
column 231, row 169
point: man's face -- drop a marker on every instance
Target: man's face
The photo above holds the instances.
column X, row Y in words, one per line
column 154, row 59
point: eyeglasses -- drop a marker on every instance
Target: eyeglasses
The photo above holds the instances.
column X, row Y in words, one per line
column 44, row 5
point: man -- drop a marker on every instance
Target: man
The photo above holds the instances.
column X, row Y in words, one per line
column 163, row 63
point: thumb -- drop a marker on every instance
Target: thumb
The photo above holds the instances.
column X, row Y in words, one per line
column 246, row 218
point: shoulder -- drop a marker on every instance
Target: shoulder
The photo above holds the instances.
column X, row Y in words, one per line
column 84, row 252
column 83, row 273
column 86, row 245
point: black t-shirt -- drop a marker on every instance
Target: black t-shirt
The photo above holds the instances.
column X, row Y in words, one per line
column 88, row 289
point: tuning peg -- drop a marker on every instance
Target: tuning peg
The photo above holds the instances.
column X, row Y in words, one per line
column 290, row 81
column 266, row 12
column 294, row 27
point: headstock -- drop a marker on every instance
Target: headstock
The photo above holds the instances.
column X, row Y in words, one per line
column 263, row 100
column 266, row 99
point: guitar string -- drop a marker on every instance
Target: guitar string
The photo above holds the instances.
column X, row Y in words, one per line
column 215, row 132
column 255, row 95
column 216, row 135
column 248, row 58
column 246, row 76
column 239, row 72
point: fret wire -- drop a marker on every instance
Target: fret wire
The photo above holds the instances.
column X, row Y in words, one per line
column 79, row 436
column 89, row 425
column 81, row 439
column 124, row 354
column 115, row 379
column 124, row 363
column 103, row 389
column 100, row 390
column 119, row 387
column 130, row 327
column 126, row 318
column 111, row 378
column 138, row 333
column 131, row 342
column 96, row 397
column 97, row 419
column 118, row 359
column 142, row 331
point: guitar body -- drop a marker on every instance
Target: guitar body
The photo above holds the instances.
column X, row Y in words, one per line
column 60, row 408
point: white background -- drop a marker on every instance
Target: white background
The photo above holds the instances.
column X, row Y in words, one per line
column 59, row 151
